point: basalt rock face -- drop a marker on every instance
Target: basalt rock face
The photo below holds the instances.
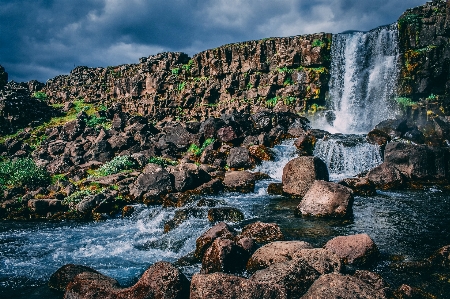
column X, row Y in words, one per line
column 424, row 34
column 3, row 77
column 279, row 73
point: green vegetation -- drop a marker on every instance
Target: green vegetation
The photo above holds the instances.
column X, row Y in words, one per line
column 162, row 161
column 289, row 100
column 181, row 86
column 285, row 70
column 197, row 151
column 22, row 172
column 40, row 95
column 58, row 178
column 116, row 165
column 270, row 103
column 187, row 67
column 404, row 102
column 318, row 43
column 98, row 121
column 288, row 81
column 77, row 196
column 249, row 85
column 176, row 71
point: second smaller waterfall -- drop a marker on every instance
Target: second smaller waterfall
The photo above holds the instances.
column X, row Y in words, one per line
column 347, row 155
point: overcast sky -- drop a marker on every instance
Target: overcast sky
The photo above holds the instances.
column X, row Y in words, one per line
column 40, row 39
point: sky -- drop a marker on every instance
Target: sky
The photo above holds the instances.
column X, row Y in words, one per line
column 40, row 39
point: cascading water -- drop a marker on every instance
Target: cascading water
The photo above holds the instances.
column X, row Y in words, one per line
column 347, row 155
column 363, row 83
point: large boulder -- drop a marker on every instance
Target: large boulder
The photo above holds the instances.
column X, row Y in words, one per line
column 263, row 232
column 224, row 256
column 153, row 182
column 360, row 186
column 334, row 286
column 226, row 286
column 188, row 176
column 239, row 157
column 61, row 278
column 161, row 280
column 228, row 214
column 221, row 229
column 300, row 173
column 295, row 276
column 386, row 176
column 324, row 261
column 326, row 199
column 239, row 181
column 358, row 250
column 275, row 252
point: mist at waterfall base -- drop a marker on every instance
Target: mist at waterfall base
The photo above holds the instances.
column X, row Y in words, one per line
column 407, row 225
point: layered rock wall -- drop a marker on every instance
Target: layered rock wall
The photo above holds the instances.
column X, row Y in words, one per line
column 276, row 73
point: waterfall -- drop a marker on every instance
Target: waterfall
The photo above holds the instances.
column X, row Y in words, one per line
column 347, row 155
column 364, row 72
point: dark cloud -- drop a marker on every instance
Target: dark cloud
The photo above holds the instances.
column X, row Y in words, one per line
column 40, row 39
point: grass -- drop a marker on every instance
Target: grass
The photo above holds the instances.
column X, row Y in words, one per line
column 116, row 165
column 196, row 150
column 40, row 95
column 162, row 161
column 404, row 102
column 317, row 43
column 22, row 172
column 270, row 103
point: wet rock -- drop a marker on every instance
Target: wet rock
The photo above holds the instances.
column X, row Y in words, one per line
column 206, row 239
column 275, row 188
column 226, row 286
column 224, row 256
column 305, row 144
column 225, row 214
column 326, row 199
column 295, row 276
column 386, row 176
column 335, row 285
column 260, row 153
column 358, row 250
column 161, row 280
column 393, row 127
column 188, row 176
column 239, row 158
column 322, row 260
column 181, row 216
column 43, row 206
column 212, row 187
column 177, row 199
column 90, row 202
column 441, row 258
column 378, row 137
column 300, row 173
column 127, row 211
column 239, row 181
column 61, row 278
column 226, row 134
column 154, row 182
column 414, row 135
column 275, row 252
column 263, row 232
column 407, row 292
column 360, row 186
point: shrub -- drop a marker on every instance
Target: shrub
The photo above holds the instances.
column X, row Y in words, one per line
column 116, row 165
column 196, row 150
column 404, row 102
column 317, row 43
column 270, row 103
column 40, row 95
column 76, row 197
column 22, row 172
column 162, row 161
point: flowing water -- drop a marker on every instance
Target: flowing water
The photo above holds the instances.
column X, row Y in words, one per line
column 409, row 225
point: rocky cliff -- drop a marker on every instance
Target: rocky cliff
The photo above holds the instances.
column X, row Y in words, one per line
column 279, row 73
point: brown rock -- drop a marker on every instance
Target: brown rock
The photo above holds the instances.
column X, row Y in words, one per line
column 441, row 257
column 226, row 286
column 305, row 144
column 300, row 173
column 324, row 261
column 378, row 137
column 260, row 153
column 224, row 256
column 61, row 278
column 263, row 232
column 357, row 250
column 226, row 134
column 275, row 252
column 206, row 239
column 225, row 214
column 360, row 186
column 386, row 176
column 239, row 158
column 239, row 181
column 326, row 199
column 295, row 276
column 153, row 182
column 334, row 286
column 407, row 292
column 275, row 189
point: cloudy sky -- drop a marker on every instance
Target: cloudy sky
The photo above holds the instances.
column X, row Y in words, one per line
column 40, row 39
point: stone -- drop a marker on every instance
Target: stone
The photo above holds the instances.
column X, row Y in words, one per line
column 305, row 144
column 226, row 134
column 239, row 181
column 358, row 250
column 61, row 278
column 227, row 286
column 224, row 256
column 378, row 137
column 161, row 280
column 393, row 127
column 275, row 252
column 275, row 189
column 295, row 276
column 225, row 214
column 188, row 176
column 181, row 216
column 386, row 176
column 89, row 203
column 239, row 158
column 441, row 258
column 43, row 206
column 300, row 173
column 154, row 181
column 221, row 229
column 322, row 260
column 326, row 199
column 334, row 286
column 263, row 232
column 260, row 153
column 360, row 186
column 407, row 292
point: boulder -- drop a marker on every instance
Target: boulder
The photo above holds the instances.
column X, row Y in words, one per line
column 207, row 238
column 224, row 256
column 161, row 280
column 263, row 232
column 275, row 252
column 358, row 250
column 226, row 134
column 239, row 158
column 334, row 286
column 305, row 144
column 226, row 286
column 154, row 181
column 188, row 176
column 295, row 276
column 43, row 206
column 181, row 216
column 87, row 204
column 225, row 214
column 275, row 188
column 393, row 127
column 239, row 181
column 322, row 260
column 360, row 186
column 212, row 187
column 61, row 278
column 386, row 176
column 300, row 173
column 378, row 137
column 441, row 258
column 326, row 199
column 260, row 153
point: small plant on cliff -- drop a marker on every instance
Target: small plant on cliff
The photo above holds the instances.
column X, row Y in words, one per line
column 289, row 100
column 22, row 172
column 288, row 81
column 249, row 85
column 404, row 102
column 432, row 97
column 270, row 103
column 176, row 71
column 98, row 121
column 187, row 67
column 284, row 70
column 116, row 165
column 196, row 150
column 162, row 161
column 77, row 196
column 40, row 95
column 181, row 86
column 317, row 43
